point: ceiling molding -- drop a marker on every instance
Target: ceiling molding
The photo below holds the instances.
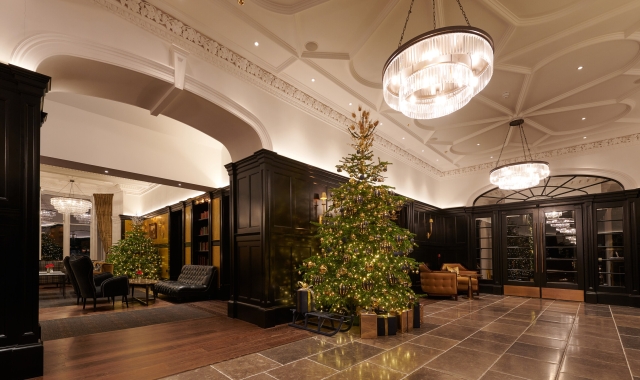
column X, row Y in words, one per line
column 574, row 29
column 373, row 26
column 504, row 39
column 286, row 64
column 501, row 10
column 576, row 149
column 513, row 68
column 494, row 105
column 284, row 9
column 361, row 80
column 236, row 11
column 326, row 55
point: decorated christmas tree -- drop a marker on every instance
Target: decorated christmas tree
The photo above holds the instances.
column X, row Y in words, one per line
column 363, row 261
column 135, row 256
column 50, row 250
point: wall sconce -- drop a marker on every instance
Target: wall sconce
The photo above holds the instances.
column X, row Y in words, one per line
column 316, row 203
column 430, row 229
column 323, row 198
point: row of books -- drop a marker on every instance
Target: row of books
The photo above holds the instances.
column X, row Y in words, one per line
column 202, row 260
column 204, row 214
column 204, row 230
column 203, row 246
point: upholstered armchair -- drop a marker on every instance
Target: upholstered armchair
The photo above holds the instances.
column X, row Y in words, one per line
column 438, row 283
column 112, row 287
column 463, row 281
column 98, row 279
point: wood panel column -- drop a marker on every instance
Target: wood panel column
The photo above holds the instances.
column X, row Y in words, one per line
column 21, row 98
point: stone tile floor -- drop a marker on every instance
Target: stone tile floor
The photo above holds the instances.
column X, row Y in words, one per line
column 493, row 337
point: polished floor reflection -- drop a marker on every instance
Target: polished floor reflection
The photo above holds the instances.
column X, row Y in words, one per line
column 492, row 337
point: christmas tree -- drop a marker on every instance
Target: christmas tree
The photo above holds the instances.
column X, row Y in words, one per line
column 135, row 253
column 50, row 250
column 363, row 261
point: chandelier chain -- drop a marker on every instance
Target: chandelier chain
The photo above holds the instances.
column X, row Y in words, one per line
column 527, row 143
column 433, row 6
column 464, row 14
column 522, row 138
column 405, row 24
column 503, row 145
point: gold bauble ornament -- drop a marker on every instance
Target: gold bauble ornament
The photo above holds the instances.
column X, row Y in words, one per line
column 368, row 267
column 311, row 264
column 323, row 269
column 342, row 271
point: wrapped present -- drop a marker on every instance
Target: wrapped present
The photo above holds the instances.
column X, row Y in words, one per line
column 417, row 315
column 305, row 299
column 405, row 321
column 368, row 325
column 387, row 324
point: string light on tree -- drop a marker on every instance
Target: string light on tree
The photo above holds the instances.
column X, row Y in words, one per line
column 362, row 263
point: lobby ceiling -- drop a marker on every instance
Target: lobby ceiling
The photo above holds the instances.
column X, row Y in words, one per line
column 335, row 50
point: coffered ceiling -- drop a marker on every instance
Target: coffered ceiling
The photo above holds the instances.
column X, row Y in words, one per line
column 570, row 68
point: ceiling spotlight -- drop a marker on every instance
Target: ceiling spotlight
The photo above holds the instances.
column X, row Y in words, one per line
column 256, row 43
column 584, row 118
column 491, row 157
column 437, row 160
column 580, row 68
column 179, row 184
column 349, row 103
column 313, row 79
column 478, row 144
column 423, row 150
column 584, row 137
column 403, row 138
column 106, row 171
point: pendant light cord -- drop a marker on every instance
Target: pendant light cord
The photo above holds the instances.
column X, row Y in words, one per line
column 503, row 145
column 405, row 24
column 433, row 7
column 464, row 14
column 526, row 142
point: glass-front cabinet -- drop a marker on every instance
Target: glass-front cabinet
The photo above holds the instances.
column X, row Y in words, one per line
column 484, row 247
column 542, row 252
column 610, row 248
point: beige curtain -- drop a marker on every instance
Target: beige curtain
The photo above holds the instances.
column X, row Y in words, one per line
column 104, row 209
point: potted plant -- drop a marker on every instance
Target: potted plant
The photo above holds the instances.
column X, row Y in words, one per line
column 49, row 267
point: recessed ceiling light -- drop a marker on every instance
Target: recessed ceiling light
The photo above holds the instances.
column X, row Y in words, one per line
column 256, row 43
column 349, row 103
column 584, row 118
column 584, row 137
column 179, row 184
column 313, row 79
column 106, row 171
column 491, row 157
column 403, row 138
column 437, row 160
column 423, row 150
column 478, row 144
column 580, row 68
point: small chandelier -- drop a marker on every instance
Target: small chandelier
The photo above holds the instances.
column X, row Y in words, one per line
column 553, row 214
column 438, row 72
column 70, row 204
column 83, row 218
column 519, row 175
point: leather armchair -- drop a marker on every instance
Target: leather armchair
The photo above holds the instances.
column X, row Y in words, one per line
column 194, row 280
column 463, row 281
column 82, row 268
column 438, row 283
column 98, row 279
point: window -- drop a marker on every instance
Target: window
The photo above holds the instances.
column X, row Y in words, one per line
column 484, row 247
column 63, row 235
column 552, row 187
column 610, row 246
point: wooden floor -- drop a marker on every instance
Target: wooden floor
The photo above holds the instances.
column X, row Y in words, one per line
column 155, row 351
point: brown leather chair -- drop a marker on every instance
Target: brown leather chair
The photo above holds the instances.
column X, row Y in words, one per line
column 438, row 283
column 463, row 281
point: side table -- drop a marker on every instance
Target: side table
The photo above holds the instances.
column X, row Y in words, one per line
column 142, row 283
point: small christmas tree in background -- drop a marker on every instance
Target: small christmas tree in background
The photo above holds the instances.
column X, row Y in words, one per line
column 363, row 262
column 50, row 251
column 135, row 253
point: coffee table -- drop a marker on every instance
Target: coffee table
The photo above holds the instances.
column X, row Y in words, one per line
column 58, row 275
column 142, row 283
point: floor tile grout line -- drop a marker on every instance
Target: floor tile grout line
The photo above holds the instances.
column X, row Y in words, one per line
column 514, row 342
column 566, row 346
column 624, row 351
column 445, row 351
column 408, row 341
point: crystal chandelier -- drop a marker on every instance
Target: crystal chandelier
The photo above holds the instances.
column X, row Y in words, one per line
column 70, row 204
column 438, row 72
column 83, row 218
column 553, row 214
column 519, row 175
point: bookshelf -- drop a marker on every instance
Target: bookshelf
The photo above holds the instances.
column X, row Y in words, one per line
column 201, row 231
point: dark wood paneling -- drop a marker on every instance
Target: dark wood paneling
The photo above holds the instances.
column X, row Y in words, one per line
column 243, row 207
column 21, row 98
column 256, row 200
column 281, row 196
column 303, row 203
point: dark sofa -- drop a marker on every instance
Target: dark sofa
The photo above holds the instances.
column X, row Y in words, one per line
column 194, row 281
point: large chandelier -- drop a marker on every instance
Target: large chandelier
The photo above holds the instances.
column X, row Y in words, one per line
column 438, row 72
column 83, row 218
column 70, row 204
column 519, row 175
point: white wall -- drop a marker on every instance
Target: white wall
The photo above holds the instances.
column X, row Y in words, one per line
column 161, row 196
